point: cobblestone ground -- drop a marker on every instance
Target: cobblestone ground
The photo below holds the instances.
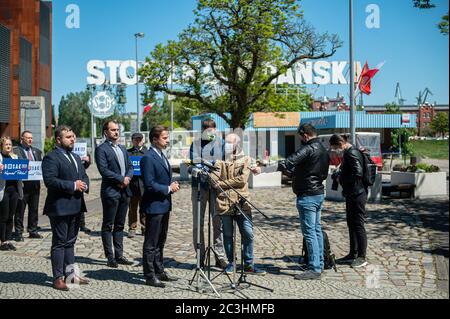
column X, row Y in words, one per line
column 403, row 254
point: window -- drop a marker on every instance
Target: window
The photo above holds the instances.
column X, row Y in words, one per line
column 5, row 74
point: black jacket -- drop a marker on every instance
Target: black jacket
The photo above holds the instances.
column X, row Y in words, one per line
column 351, row 172
column 310, row 165
column 59, row 177
column 137, row 182
column 109, row 168
column 29, row 186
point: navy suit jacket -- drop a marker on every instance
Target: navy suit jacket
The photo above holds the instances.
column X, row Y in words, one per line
column 109, row 168
column 59, row 176
column 157, row 179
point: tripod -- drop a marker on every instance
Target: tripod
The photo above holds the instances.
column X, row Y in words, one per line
column 199, row 273
column 211, row 215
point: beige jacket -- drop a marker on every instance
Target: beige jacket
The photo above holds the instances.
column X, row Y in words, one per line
column 235, row 173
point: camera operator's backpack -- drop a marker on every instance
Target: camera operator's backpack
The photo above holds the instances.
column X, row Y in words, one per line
column 329, row 259
column 370, row 170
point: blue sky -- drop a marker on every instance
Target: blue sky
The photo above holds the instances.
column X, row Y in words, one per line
column 416, row 54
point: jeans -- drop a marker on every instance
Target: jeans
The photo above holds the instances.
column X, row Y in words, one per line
column 246, row 230
column 309, row 208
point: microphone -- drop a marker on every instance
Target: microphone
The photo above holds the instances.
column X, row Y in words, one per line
column 209, row 165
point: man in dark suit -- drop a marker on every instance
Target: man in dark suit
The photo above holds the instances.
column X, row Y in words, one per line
column 157, row 204
column 31, row 191
column 137, row 188
column 66, row 181
column 116, row 169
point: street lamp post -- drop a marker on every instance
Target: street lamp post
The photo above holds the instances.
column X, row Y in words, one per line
column 352, row 75
column 138, row 35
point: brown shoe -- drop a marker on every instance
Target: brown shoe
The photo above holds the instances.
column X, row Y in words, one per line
column 59, row 284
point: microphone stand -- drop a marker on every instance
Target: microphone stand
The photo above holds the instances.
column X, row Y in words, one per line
column 238, row 209
column 198, row 270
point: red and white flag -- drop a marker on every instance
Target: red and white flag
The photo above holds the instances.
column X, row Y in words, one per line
column 147, row 108
column 364, row 83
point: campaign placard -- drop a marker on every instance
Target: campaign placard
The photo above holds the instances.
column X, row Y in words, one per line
column 15, row 169
column 34, row 171
column 136, row 161
column 80, row 149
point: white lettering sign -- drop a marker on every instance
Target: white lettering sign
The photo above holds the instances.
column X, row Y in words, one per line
column 80, row 149
column 96, row 70
column 34, row 171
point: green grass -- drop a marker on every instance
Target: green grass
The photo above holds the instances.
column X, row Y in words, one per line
column 431, row 149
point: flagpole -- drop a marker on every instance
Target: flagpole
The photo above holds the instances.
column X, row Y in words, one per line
column 352, row 75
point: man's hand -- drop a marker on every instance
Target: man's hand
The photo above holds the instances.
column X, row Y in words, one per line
column 80, row 186
column 174, row 187
column 85, row 159
column 1, row 168
column 255, row 170
column 126, row 182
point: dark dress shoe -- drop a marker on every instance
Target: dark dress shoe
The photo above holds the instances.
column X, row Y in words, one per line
column 35, row 236
column 165, row 277
column 124, row 261
column 19, row 237
column 5, row 247
column 11, row 247
column 112, row 264
column 86, row 230
column 154, row 282
column 59, row 284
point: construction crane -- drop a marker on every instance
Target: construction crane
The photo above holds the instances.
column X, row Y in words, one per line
column 398, row 95
column 422, row 99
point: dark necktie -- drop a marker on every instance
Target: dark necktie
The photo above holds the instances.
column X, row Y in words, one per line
column 72, row 161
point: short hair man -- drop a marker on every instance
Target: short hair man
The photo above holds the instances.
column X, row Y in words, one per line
column 310, row 167
column 116, row 169
column 66, row 181
column 136, row 187
column 31, row 190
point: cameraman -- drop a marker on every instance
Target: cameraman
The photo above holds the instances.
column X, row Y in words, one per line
column 309, row 166
column 209, row 147
column 350, row 176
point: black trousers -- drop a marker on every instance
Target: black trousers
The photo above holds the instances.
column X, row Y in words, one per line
column 31, row 195
column 356, row 218
column 156, row 227
column 114, row 215
column 64, row 235
column 8, row 208
column 82, row 220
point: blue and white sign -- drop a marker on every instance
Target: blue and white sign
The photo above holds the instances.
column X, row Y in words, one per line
column 80, row 149
column 15, row 169
column 34, row 171
column 136, row 161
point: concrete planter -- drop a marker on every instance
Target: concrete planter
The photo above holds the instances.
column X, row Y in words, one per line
column 427, row 184
column 373, row 196
column 265, row 180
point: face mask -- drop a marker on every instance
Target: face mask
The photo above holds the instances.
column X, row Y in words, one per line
column 229, row 148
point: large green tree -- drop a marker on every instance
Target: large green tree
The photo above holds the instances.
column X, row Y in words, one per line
column 229, row 57
column 400, row 136
column 439, row 124
column 74, row 111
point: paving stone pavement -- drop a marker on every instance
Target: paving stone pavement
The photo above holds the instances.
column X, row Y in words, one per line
column 401, row 255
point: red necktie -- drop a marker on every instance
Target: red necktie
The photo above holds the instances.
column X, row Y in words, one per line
column 30, row 157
